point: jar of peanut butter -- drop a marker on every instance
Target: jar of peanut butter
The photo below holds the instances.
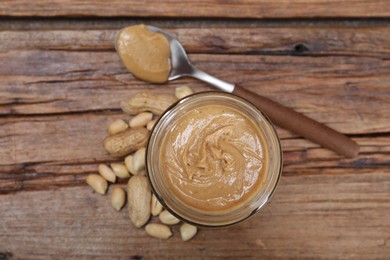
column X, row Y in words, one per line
column 213, row 159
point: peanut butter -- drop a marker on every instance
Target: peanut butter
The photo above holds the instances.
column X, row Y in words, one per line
column 144, row 53
column 213, row 158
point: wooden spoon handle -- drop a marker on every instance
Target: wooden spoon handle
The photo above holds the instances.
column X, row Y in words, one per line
column 300, row 124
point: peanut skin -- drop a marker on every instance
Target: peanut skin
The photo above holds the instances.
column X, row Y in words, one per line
column 98, row 183
column 126, row 142
column 139, row 196
column 147, row 102
column 158, row 230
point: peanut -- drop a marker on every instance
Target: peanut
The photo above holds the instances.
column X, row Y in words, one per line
column 120, row 170
column 151, row 124
column 129, row 163
column 126, row 142
column 167, row 218
column 158, row 230
column 138, row 163
column 142, row 119
column 138, row 197
column 183, row 91
column 142, row 102
column 98, row 183
column 155, row 206
column 187, row 231
column 117, row 126
column 106, row 173
column 118, row 197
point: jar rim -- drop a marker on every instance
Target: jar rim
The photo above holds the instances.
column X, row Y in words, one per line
column 169, row 114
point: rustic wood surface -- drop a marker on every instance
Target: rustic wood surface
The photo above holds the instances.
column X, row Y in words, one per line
column 61, row 83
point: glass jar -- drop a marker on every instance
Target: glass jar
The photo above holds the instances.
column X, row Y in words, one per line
column 218, row 218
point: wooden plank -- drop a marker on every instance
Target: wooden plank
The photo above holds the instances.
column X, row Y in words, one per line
column 322, row 216
column 192, row 8
column 45, row 152
column 351, row 94
column 369, row 41
column 75, row 139
column 109, row 23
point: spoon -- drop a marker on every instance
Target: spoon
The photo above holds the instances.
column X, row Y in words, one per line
column 279, row 114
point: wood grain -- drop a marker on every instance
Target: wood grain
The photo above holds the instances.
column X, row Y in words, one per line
column 360, row 41
column 320, row 216
column 45, row 152
column 350, row 94
column 192, row 8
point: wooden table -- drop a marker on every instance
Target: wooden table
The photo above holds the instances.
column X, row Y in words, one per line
column 61, row 83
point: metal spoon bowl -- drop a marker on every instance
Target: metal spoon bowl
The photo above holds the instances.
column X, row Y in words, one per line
column 182, row 67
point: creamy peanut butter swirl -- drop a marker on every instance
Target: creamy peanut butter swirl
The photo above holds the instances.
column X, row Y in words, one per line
column 213, row 158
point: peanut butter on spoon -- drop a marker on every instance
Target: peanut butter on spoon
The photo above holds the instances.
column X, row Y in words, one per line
column 144, row 53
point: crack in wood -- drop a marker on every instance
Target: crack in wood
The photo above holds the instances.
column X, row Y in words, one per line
column 107, row 111
column 69, row 23
column 21, row 101
column 6, row 255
